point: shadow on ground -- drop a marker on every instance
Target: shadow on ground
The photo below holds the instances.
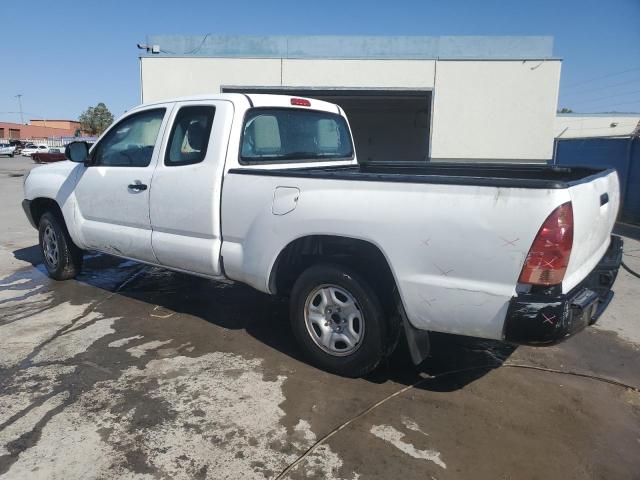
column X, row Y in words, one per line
column 234, row 306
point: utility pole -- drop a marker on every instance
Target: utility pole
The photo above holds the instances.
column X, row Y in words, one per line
column 19, row 97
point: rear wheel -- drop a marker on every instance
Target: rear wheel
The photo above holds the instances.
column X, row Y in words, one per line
column 62, row 258
column 338, row 320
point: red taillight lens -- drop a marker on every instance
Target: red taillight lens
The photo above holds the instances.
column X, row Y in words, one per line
column 302, row 102
column 548, row 257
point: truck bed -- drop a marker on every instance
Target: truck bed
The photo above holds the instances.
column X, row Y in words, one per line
column 478, row 174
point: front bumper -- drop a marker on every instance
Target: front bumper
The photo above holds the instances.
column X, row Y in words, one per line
column 26, row 206
column 546, row 316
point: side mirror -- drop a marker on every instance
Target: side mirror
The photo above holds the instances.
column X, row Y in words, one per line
column 77, row 152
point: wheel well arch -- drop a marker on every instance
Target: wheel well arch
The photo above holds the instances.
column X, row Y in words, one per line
column 40, row 205
column 360, row 255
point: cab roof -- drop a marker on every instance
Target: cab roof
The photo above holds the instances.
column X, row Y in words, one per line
column 254, row 100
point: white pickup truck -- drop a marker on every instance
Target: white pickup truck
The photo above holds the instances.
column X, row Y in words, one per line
column 266, row 190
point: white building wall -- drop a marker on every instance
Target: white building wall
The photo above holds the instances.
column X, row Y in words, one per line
column 164, row 78
column 407, row 74
column 482, row 110
column 494, row 110
column 589, row 126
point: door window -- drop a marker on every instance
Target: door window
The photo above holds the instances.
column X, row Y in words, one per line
column 130, row 143
column 190, row 135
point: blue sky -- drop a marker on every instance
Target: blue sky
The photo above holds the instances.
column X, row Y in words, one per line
column 68, row 55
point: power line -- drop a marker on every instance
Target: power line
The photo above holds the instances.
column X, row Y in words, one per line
column 193, row 51
column 39, row 117
column 609, row 96
column 633, row 102
column 614, row 74
column 570, row 94
column 197, row 49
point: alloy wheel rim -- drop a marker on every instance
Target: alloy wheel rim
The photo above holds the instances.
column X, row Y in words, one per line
column 50, row 247
column 334, row 320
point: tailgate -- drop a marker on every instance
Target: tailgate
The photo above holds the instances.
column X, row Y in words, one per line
column 595, row 202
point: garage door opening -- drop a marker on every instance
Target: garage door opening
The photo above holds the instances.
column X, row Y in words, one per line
column 387, row 125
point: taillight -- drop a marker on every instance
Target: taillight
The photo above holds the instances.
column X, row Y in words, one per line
column 302, row 102
column 548, row 257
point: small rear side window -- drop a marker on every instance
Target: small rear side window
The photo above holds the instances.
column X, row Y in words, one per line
column 190, row 135
column 273, row 135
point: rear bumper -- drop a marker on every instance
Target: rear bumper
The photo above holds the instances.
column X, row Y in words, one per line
column 546, row 317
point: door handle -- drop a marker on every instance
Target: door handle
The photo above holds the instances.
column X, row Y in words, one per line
column 138, row 187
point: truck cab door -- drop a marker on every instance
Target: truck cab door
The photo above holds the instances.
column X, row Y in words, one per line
column 187, row 185
column 112, row 192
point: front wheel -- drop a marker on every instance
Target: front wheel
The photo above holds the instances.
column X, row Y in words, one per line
column 338, row 320
column 62, row 258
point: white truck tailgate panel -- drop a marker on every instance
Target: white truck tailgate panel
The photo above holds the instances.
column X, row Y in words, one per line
column 592, row 225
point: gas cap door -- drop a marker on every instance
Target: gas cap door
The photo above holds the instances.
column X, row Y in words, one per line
column 285, row 200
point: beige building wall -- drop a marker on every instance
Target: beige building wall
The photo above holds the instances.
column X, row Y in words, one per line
column 502, row 110
column 483, row 110
column 590, row 126
column 164, row 78
column 407, row 74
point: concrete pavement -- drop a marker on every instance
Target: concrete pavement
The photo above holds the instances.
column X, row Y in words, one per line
column 132, row 371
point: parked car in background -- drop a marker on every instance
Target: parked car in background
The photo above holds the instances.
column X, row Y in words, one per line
column 29, row 145
column 18, row 145
column 6, row 149
column 54, row 154
column 31, row 148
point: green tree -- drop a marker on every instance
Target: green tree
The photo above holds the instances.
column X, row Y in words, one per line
column 95, row 120
column 565, row 110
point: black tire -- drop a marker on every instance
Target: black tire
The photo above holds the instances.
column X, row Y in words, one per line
column 371, row 346
column 69, row 256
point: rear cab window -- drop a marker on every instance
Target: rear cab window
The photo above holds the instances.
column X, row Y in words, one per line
column 282, row 135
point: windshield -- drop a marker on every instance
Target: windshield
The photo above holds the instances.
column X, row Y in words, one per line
column 287, row 134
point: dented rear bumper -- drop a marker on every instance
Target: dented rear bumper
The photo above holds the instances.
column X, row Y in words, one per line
column 545, row 317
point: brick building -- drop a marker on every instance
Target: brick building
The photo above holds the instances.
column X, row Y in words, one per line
column 38, row 129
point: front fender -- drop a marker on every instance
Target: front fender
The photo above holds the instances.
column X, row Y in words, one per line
column 55, row 182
